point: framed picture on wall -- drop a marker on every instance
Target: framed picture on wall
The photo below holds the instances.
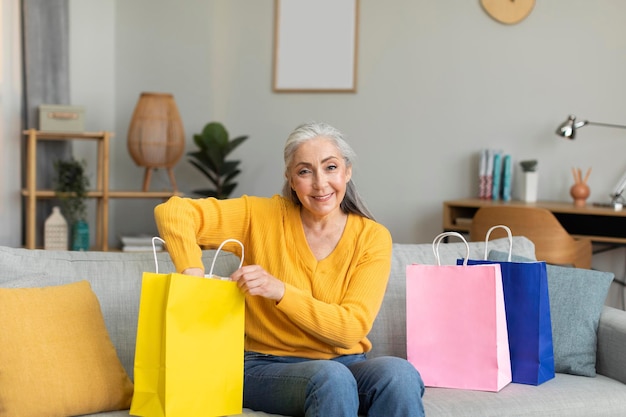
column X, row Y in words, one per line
column 315, row 45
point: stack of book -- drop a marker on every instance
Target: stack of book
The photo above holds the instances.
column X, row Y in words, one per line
column 140, row 243
column 495, row 175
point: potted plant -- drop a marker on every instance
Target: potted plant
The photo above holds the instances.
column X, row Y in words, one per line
column 70, row 187
column 210, row 159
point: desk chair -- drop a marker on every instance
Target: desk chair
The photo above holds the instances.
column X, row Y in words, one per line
column 553, row 243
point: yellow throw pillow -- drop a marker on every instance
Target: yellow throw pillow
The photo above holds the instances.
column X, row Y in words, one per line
column 56, row 357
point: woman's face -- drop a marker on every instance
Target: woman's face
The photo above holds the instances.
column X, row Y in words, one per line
column 318, row 174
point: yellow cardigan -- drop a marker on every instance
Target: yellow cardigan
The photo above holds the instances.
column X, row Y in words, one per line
column 329, row 306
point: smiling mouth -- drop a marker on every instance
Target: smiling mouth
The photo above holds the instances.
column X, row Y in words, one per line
column 322, row 197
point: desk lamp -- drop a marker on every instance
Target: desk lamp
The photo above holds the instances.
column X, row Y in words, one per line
column 568, row 128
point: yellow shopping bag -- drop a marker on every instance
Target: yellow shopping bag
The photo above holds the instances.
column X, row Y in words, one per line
column 189, row 351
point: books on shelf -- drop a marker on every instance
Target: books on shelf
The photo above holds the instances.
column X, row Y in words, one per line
column 140, row 243
column 495, row 175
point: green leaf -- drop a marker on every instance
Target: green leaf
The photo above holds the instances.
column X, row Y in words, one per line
column 234, row 143
column 228, row 167
column 216, row 132
column 207, row 173
column 228, row 189
column 199, row 141
column 231, row 176
column 214, row 155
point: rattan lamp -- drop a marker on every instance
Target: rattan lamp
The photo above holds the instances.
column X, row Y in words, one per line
column 156, row 138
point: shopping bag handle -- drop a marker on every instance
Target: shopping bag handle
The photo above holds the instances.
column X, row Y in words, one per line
column 154, row 252
column 210, row 274
column 508, row 231
column 440, row 237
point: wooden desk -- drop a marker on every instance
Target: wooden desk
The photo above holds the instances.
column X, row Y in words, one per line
column 600, row 224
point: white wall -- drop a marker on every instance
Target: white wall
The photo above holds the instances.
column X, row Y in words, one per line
column 10, row 124
column 437, row 81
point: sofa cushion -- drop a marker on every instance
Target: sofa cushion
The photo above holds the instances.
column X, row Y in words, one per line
column 56, row 357
column 115, row 277
column 577, row 298
column 563, row 396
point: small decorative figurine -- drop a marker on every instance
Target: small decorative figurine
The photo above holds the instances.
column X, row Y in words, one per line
column 580, row 190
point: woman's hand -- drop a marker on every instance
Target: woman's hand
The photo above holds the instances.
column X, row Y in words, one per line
column 196, row 272
column 254, row 280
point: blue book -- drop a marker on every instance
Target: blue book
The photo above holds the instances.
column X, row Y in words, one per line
column 497, row 175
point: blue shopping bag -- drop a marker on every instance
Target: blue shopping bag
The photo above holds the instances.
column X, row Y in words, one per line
column 527, row 306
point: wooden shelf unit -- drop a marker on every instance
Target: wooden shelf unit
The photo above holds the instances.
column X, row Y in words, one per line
column 101, row 191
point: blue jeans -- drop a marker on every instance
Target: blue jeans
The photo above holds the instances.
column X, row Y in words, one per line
column 346, row 386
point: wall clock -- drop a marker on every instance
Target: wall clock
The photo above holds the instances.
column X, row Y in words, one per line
column 508, row 11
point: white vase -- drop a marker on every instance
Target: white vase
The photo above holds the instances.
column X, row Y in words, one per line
column 530, row 182
column 55, row 231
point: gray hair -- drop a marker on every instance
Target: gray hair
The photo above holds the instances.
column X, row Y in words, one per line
column 352, row 202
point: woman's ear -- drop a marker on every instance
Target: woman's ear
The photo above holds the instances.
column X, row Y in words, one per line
column 348, row 173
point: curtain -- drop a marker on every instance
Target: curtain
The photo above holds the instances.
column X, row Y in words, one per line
column 45, row 27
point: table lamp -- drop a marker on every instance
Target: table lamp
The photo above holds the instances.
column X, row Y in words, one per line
column 156, row 138
column 568, row 128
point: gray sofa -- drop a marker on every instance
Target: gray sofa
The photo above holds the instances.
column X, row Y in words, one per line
column 116, row 280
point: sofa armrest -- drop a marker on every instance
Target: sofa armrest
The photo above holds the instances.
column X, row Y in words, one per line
column 611, row 357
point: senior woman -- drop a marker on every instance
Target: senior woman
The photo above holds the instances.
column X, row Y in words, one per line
column 315, row 271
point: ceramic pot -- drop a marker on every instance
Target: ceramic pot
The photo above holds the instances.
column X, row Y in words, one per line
column 530, row 182
column 580, row 192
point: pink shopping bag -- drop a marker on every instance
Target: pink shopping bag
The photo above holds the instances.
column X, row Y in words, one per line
column 456, row 324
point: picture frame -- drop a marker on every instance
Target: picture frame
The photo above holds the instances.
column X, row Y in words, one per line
column 315, row 45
